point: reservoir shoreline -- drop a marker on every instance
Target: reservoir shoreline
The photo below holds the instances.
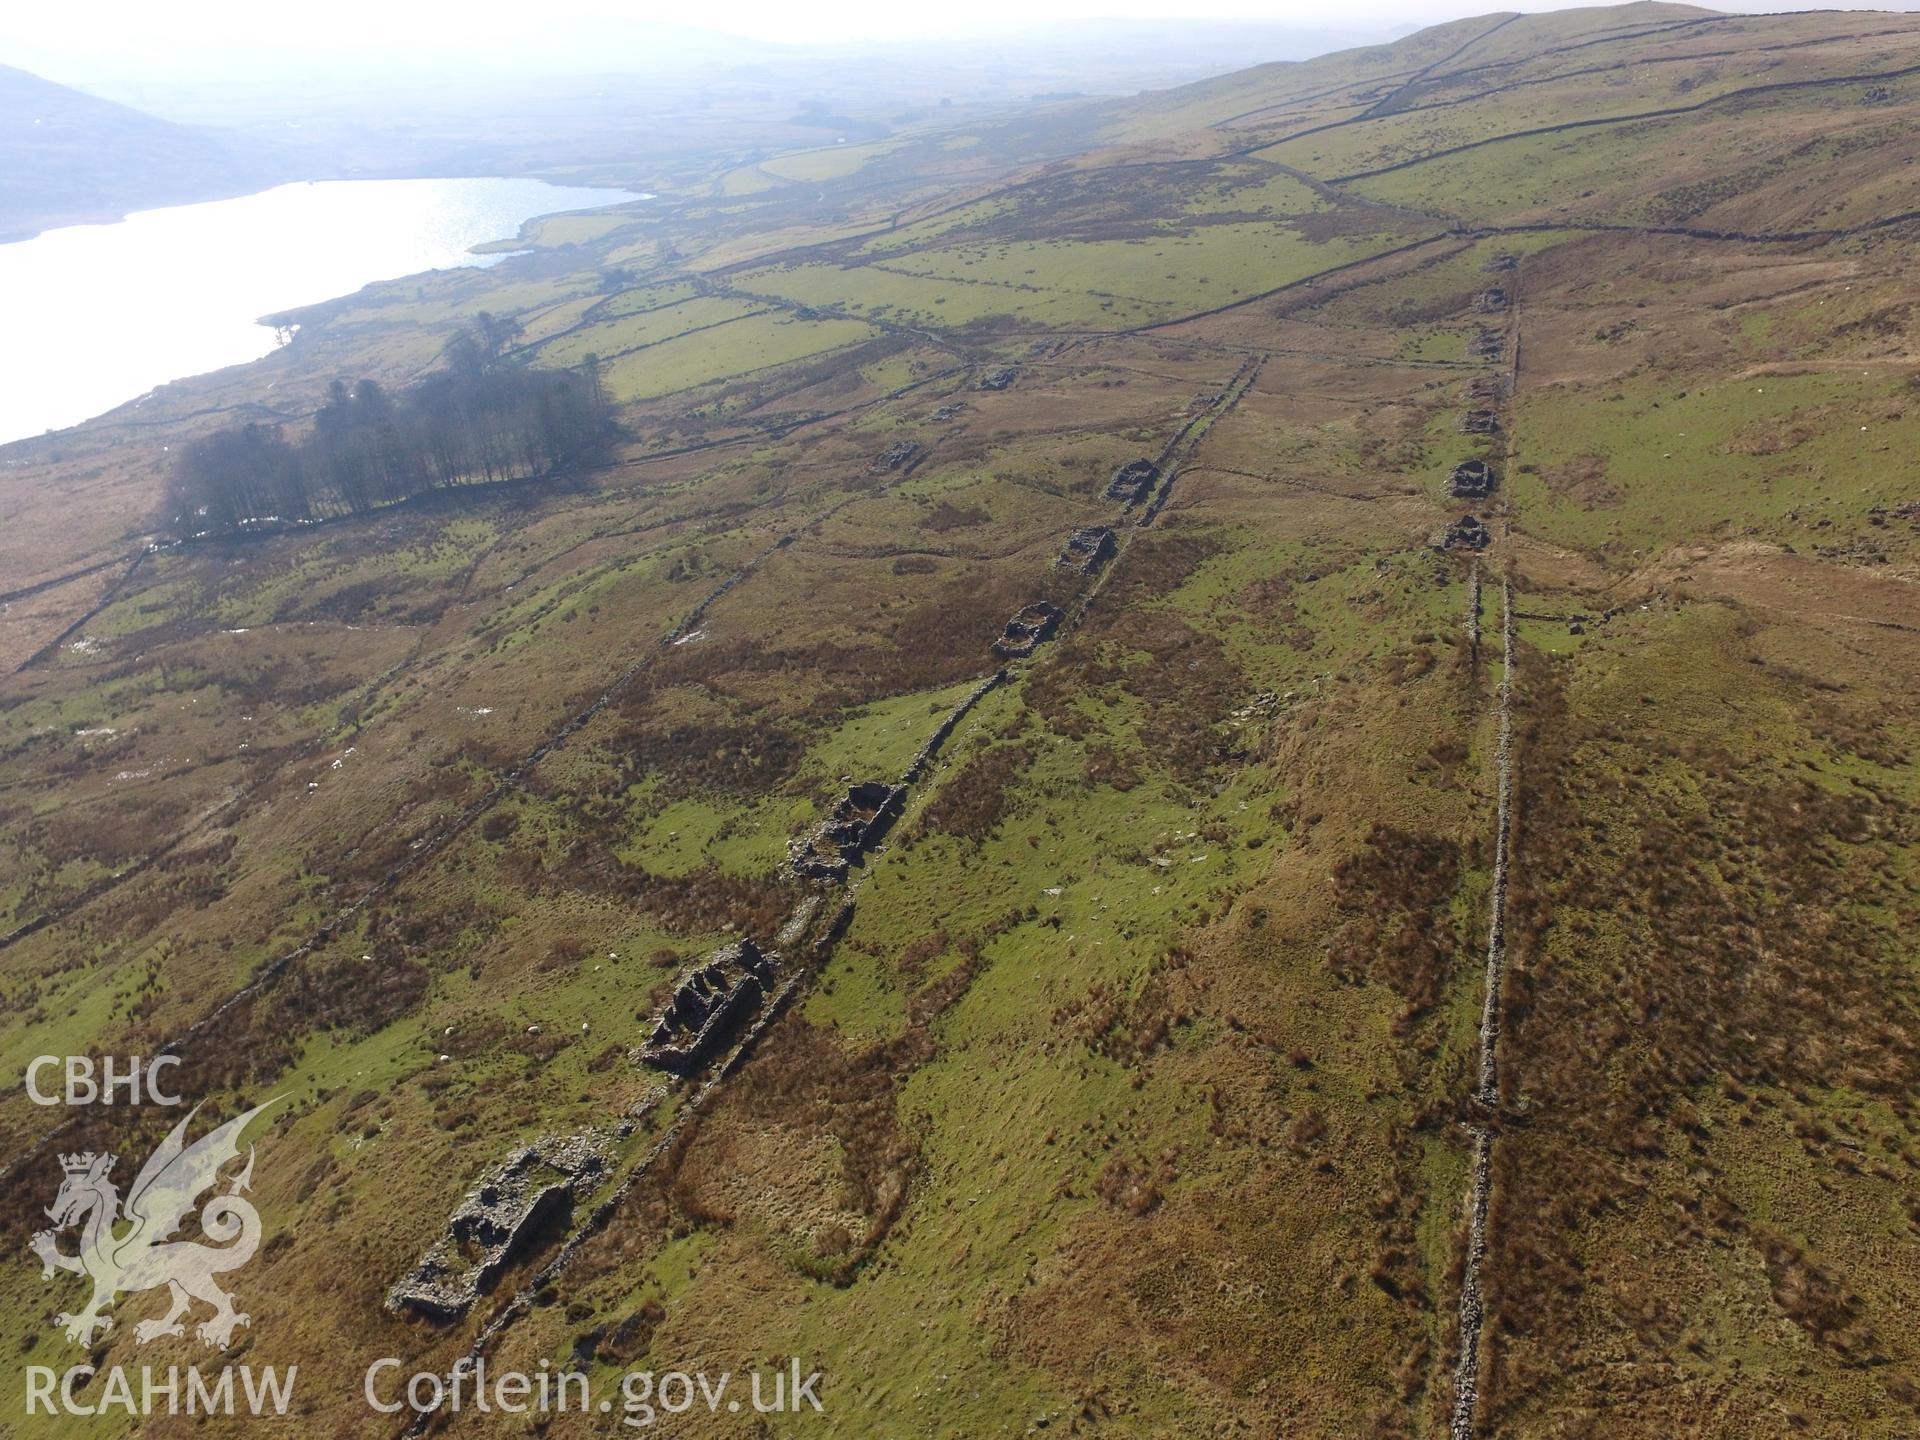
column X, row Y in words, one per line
column 102, row 315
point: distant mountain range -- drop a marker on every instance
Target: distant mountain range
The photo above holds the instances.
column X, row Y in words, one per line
column 68, row 158
column 610, row 102
column 407, row 72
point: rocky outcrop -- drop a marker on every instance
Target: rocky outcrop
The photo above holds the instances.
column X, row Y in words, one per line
column 996, row 379
column 525, row 1196
column 1087, row 550
column 1471, row 480
column 1132, row 481
column 1880, row 514
column 1505, row 260
column 858, row 823
column 897, row 456
column 1479, row 422
column 1026, row 631
column 711, row 1001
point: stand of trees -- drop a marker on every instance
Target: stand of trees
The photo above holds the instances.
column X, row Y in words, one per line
column 476, row 422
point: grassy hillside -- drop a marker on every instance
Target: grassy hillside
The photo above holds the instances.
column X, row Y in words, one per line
column 1316, row 881
column 68, row 158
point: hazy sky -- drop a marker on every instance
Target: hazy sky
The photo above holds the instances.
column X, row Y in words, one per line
column 129, row 25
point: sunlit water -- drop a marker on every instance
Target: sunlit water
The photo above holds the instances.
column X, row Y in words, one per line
column 92, row 316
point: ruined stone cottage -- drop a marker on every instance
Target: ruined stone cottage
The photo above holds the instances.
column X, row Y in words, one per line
column 1132, row 481
column 857, row 824
column 711, row 1001
column 1471, row 480
column 1026, row 631
column 528, row 1195
column 896, row 456
column 1087, row 550
column 1466, row 533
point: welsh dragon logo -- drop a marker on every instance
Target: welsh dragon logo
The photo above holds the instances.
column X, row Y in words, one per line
column 128, row 1251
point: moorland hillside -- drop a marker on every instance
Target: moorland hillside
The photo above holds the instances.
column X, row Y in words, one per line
column 1304, row 687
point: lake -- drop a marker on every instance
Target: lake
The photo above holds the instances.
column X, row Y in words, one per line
column 92, row 316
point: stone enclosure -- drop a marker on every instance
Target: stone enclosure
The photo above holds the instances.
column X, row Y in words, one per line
column 1087, row 550
column 525, row 1196
column 711, row 1000
column 1026, row 631
column 858, row 823
column 896, row 456
column 1471, row 480
column 1466, row 533
column 1132, row 481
